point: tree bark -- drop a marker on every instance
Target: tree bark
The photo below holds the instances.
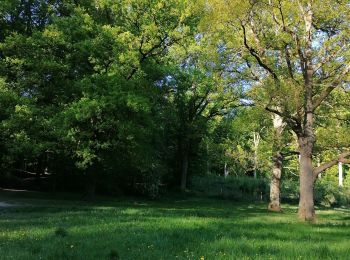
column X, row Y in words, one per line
column 306, row 137
column 256, row 140
column 226, row 172
column 275, row 204
column 277, row 159
column 184, row 169
column 306, row 210
column 340, row 174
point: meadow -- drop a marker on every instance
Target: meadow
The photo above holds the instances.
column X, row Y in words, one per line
column 52, row 227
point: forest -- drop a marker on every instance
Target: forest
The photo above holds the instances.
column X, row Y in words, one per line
column 212, row 100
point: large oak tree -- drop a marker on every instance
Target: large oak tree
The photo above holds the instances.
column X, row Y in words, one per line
column 298, row 52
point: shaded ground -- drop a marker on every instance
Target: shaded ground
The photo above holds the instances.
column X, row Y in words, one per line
column 167, row 229
column 5, row 205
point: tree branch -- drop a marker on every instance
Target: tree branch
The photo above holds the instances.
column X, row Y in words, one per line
column 331, row 87
column 327, row 165
column 255, row 54
column 329, row 57
column 289, row 119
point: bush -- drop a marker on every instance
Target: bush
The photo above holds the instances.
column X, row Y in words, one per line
column 326, row 193
column 329, row 194
column 289, row 191
column 237, row 188
column 246, row 188
column 149, row 184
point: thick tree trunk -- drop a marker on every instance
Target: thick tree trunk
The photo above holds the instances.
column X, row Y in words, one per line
column 306, row 201
column 274, row 204
column 306, row 134
column 184, row 170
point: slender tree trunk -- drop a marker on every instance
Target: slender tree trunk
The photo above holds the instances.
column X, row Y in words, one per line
column 40, row 171
column 91, row 190
column 226, row 172
column 318, row 165
column 306, row 201
column 91, row 182
column 184, row 169
column 340, row 174
column 256, row 140
column 208, row 163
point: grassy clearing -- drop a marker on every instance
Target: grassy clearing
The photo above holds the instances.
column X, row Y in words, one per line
column 177, row 229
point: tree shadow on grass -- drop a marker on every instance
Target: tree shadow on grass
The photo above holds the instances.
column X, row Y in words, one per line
column 169, row 237
column 188, row 229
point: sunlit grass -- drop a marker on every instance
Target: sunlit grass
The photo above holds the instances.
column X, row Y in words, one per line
column 183, row 229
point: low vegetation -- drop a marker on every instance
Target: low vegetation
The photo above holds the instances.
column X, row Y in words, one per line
column 176, row 228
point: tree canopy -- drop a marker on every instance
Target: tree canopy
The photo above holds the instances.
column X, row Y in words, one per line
column 140, row 96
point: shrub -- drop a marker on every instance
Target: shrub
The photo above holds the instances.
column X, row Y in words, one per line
column 289, row 191
column 326, row 193
column 237, row 188
column 244, row 188
column 149, row 184
column 329, row 194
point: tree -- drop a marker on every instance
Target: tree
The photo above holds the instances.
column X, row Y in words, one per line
column 299, row 52
column 87, row 71
column 197, row 100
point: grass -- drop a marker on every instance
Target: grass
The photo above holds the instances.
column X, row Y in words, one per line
column 167, row 229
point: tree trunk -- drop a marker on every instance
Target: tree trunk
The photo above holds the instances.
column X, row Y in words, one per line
column 91, row 190
column 277, row 159
column 208, row 163
column 274, row 204
column 226, row 172
column 318, row 165
column 256, row 140
column 91, row 180
column 306, row 201
column 340, row 174
column 184, row 170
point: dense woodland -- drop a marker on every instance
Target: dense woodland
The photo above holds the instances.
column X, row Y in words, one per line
column 145, row 97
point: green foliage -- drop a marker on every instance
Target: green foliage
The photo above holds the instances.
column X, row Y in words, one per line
column 289, row 190
column 330, row 195
column 79, row 86
column 327, row 193
column 123, row 93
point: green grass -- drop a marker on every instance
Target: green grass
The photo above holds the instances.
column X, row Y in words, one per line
column 167, row 229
